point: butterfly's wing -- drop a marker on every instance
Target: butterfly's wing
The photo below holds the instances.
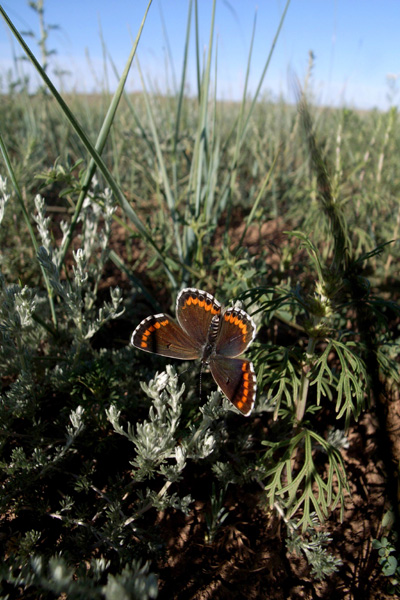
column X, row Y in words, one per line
column 236, row 333
column 162, row 335
column 194, row 311
column 236, row 378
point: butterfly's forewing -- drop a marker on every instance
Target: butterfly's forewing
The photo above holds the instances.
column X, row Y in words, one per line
column 236, row 333
column 236, row 378
column 194, row 311
column 162, row 335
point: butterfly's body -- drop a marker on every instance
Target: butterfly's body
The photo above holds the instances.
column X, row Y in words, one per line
column 204, row 331
column 209, row 346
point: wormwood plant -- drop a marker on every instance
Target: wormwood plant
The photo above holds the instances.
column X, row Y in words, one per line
column 158, row 449
column 44, row 415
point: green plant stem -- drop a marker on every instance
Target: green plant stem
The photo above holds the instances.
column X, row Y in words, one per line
column 149, row 505
column 304, row 383
column 171, row 201
column 43, row 33
column 14, row 181
column 331, row 207
column 257, row 201
column 245, row 121
column 183, row 79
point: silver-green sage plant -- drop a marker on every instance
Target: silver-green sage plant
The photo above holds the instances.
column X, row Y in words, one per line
column 157, row 447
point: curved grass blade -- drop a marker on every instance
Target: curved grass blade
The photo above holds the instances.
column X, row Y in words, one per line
column 90, row 148
column 102, row 138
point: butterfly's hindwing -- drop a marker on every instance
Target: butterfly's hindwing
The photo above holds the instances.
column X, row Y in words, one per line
column 236, row 378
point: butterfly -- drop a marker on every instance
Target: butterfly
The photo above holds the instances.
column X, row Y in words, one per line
column 206, row 331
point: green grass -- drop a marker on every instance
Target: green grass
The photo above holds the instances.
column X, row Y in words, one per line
column 142, row 195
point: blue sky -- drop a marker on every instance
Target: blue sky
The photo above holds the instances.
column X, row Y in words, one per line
column 356, row 44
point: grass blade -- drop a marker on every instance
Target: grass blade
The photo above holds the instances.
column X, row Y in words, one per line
column 90, row 148
column 102, row 138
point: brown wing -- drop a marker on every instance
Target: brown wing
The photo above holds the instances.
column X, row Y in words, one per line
column 236, row 333
column 162, row 335
column 194, row 311
column 236, row 378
